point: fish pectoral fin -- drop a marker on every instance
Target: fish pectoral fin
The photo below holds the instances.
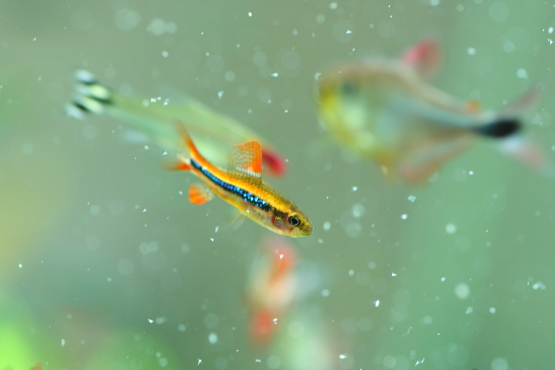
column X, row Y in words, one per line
column 247, row 158
column 424, row 57
column 200, row 193
column 235, row 220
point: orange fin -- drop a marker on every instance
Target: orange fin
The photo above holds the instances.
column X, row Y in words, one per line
column 181, row 164
column 200, row 193
column 247, row 158
column 424, row 57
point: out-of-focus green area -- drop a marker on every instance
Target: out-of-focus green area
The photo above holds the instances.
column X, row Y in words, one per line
column 105, row 264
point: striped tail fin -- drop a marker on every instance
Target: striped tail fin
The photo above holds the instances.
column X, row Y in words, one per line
column 90, row 96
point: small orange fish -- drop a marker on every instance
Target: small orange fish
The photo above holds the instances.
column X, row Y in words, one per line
column 243, row 187
column 385, row 110
column 272, row 289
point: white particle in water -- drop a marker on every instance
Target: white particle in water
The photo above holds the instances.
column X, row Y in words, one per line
column 393, row 274
column 521, row 73
column 165, row 54
column 333, row 6
column 20, row 265
column 325, row 293
column 535, row 286
column 63, row 342
column 250, row 14
column 442, row 279
column 327, row 226
column 351, row 272
column 275, row 74
column 451, row 228
column 471, row 51
column 220, row 94
column 213, row 338
column 492, row 310
column 377, row 303
column 499, row 364
column 412, row 198
column 404, row 216
column 355, row 188
column 471, row 173
column 469, row 310
column 462, row 291
column 342, row 356
column 550, row 30
column 150, row 321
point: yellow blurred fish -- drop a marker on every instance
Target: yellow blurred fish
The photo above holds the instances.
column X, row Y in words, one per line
column 385, row 110
column 154, row 118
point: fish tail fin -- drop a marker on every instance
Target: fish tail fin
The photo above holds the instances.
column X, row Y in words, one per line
column 90, row 96
column 500, row 128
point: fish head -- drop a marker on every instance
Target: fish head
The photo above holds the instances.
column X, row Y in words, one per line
column 291, row 222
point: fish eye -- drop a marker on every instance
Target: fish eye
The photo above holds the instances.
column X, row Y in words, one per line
column 349, row 88
column 294, row 220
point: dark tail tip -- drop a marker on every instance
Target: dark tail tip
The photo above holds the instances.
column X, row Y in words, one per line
column 501, row 128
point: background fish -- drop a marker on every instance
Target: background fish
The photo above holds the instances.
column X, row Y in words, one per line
column 154, row 118
column 385, row 110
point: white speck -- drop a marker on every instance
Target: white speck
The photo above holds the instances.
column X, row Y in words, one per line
column 469, row 310
column 327, row 226
column 404, row 216
column 275, row 74
column 213, row 338
column 412, row 198
column 199, row 361
column 63, row 342
column 451, row 228
column 427, row 320
column 250, row 14
column 181, row 327
column 220, row 94
column 144, row 210
column 150, row 321
column 211, row 239
column 471, row 51
column 492, row 310
column 348, row 32
column 471, row 173
column 258, row 360
column 377, row 303
column 550, row 30
column 160, row 320
column 165, row 54
column 351, row 272
column 146, row 147
column 217, row 228
column 499, row 364
column 342, row 356
column 442, row 279
column 333, row 6
column 20, row 265
column 355, row 188
column 393, row 274
column 325, row 293
column 462, row 291
column 521, row 73
column 35, row 39
column 535, row 286
column 434, row 2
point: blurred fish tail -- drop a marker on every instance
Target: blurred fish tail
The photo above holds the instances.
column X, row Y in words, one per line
column 501, row 128
column 90, row 97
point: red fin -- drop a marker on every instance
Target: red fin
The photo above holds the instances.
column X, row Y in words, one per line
column 424, row 57
column 473, row 106
column 37, row 367
column 199, row 194
column 247, row 158
column 274, row 163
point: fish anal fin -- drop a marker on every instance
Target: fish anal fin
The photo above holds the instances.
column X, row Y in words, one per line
column 421, row 164
column 181, row 164
column 247, row 158
column 424, row 57
column 200, row 193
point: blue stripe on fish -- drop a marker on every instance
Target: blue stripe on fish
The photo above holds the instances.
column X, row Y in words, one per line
column 245, row 195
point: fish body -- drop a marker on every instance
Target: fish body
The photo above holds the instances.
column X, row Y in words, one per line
column 386, row 111
column 155, row 119
column 243, row 187
column 272, row 288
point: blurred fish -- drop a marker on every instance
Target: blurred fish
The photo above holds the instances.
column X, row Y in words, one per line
column 386, row 111
column 243, row 187
column 154, row 118
column 271, row 289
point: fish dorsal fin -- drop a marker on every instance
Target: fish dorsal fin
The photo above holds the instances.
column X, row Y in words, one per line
column 247, row 158
column 424, row 57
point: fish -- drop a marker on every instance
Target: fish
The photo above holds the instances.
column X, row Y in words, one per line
column 271, row 289
column 242, row 186
column 154, row 118
column 385, row 110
